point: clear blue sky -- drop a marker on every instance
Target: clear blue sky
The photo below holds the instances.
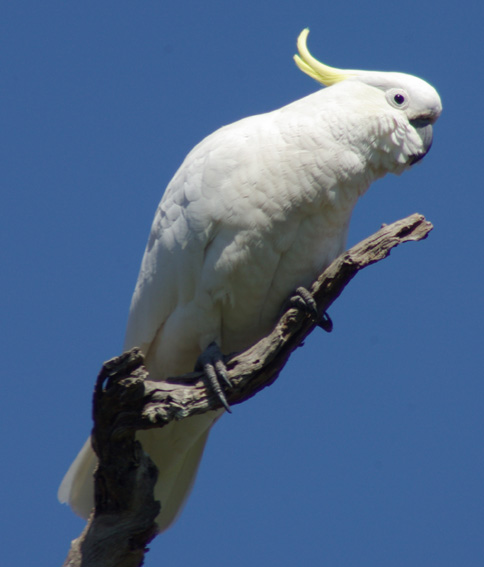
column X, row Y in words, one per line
column 368, row 450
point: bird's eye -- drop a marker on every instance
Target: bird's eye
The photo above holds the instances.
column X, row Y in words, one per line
column 398, row 98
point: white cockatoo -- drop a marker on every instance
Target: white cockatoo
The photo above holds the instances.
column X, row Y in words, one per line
column 257, row 209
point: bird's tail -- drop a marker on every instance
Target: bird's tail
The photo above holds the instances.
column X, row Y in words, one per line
column 176, row 451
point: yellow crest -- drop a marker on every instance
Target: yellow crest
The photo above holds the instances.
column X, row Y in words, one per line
column 322, row 73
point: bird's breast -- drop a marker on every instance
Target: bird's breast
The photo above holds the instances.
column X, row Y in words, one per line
column 253, row 274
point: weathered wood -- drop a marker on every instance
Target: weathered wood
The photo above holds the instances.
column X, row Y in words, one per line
column 123, row 521
column 125, row 400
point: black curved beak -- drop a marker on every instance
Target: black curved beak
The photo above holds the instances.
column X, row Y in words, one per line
column 425, row 131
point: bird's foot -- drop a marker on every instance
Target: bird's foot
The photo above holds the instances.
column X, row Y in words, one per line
column 211, row 363
column 302, row 299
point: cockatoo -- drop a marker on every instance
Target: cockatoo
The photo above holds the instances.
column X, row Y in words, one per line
column 257, row 209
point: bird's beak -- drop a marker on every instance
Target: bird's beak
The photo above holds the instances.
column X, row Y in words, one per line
column 423, row 128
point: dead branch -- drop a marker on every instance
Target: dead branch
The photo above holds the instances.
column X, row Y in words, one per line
column 125, row 400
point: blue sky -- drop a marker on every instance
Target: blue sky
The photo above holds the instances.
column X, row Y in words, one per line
column 368, row 450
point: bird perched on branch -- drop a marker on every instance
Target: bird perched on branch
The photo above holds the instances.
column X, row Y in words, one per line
column 256, row 210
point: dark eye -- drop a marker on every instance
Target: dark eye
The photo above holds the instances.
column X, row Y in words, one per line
column 398, row 98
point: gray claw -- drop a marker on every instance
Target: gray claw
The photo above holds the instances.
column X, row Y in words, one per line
column 325, row 323
column 302, row 299
column 212, row 364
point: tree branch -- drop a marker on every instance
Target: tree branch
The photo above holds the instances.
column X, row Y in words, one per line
column 125, row 400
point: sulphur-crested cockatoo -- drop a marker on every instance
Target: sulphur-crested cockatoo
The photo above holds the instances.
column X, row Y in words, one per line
column 257, row 209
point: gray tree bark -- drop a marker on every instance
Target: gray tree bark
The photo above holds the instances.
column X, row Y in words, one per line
column 125, row 400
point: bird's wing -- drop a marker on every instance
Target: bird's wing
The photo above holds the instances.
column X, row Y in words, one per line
column 199, row 200
column 173, row 258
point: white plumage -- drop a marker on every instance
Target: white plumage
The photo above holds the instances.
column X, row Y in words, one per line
column 257, row 209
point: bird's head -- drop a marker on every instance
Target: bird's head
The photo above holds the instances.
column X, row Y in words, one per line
column 407, row 97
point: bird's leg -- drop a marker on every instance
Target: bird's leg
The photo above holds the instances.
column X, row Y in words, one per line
column 302, row 299
column 213, row 366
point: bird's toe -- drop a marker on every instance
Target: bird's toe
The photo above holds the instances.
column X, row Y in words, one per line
column 302, row 299
column 211, row 363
